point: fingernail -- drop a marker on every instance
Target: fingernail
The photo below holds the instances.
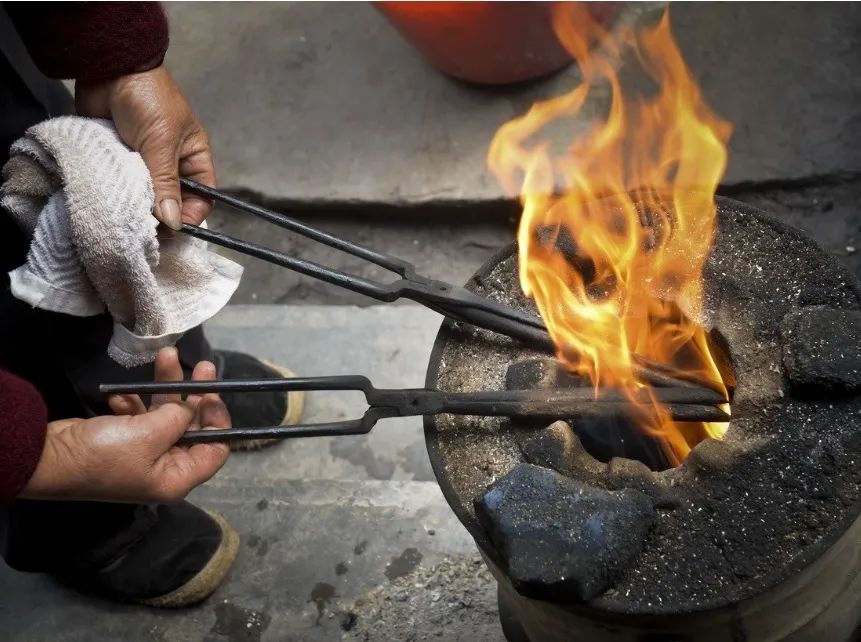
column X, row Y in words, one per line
column 170, row 214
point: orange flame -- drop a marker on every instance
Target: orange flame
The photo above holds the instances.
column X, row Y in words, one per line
column 617, row 226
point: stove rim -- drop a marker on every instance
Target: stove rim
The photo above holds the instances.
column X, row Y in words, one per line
column 807, row 557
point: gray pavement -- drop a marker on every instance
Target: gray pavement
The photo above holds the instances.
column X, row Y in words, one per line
column 311, row 551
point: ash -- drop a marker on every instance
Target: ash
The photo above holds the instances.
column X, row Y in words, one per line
column 777, row 491
column 454, row 599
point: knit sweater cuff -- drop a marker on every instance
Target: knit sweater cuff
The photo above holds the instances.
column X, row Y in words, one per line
column 91, row 40
column 23, row 421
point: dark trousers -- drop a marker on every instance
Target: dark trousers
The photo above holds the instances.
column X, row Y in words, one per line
column 66, row 359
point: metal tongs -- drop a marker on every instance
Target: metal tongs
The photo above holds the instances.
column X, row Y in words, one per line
column 686, row 398
column 683, row 404
column 452, row 301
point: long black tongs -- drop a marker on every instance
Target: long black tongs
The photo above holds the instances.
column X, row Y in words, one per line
column 449, row 300
column 452, row 301
column 682, row 403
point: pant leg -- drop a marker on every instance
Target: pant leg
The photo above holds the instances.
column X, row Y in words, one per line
column 64, row 537
column 86, row 363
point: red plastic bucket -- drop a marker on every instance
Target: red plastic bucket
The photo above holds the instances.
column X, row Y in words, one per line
column 487, row 42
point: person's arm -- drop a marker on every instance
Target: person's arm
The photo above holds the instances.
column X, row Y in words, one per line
column 131, row 457
column 114, row 52
column 23, row 421
column 91, row 40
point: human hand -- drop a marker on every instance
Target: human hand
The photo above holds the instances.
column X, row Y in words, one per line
column 133, row 457
column 152, row 117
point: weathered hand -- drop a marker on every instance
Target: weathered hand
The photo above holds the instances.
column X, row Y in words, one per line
column 152, row 117
column 133, row 457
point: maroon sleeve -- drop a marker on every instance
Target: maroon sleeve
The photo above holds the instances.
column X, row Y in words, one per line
column 23, row 419
column 91, row 40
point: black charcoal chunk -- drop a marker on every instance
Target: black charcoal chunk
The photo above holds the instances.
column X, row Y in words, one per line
column 559, row 448
column 561, row 539
column 560, row 239
column 822, row 349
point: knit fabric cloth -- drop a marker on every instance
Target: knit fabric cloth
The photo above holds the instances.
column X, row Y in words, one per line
column 86, row 200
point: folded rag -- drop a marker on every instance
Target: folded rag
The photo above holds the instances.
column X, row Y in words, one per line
column 86, row 200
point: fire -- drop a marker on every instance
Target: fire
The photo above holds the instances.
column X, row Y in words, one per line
column 616, row 227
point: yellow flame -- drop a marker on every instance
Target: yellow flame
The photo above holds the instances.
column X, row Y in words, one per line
column 616, row 227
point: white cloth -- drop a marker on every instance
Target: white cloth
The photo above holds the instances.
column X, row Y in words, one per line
column 86, row 201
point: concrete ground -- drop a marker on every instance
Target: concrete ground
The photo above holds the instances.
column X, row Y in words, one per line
column 324, row 109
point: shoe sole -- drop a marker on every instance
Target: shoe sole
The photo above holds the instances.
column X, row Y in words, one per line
column 295, row 407
column 209, row 578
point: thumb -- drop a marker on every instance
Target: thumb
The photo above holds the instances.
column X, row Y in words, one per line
column 164, row 426
column 162, row 160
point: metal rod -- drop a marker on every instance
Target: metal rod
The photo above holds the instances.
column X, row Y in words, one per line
column 339, row 382
column 652, row 368
column 282, row 220
column 577, row 409
column 354, row 427
column 610, row 410
column 349, row 281
column 676, row 394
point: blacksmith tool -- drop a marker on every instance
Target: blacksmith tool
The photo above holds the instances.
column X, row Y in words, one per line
column 450, row 300
column 683, row 404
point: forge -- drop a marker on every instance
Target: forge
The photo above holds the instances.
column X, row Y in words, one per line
column 755, row 536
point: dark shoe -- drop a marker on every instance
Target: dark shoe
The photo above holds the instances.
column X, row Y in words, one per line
column 180, row 561
column 258, row 408
column 167, row 556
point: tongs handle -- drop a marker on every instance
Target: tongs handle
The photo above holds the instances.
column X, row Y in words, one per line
column 447, row 299
column 337, row 382
column 342, row 382
column 387, row 261
column 451, row 301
